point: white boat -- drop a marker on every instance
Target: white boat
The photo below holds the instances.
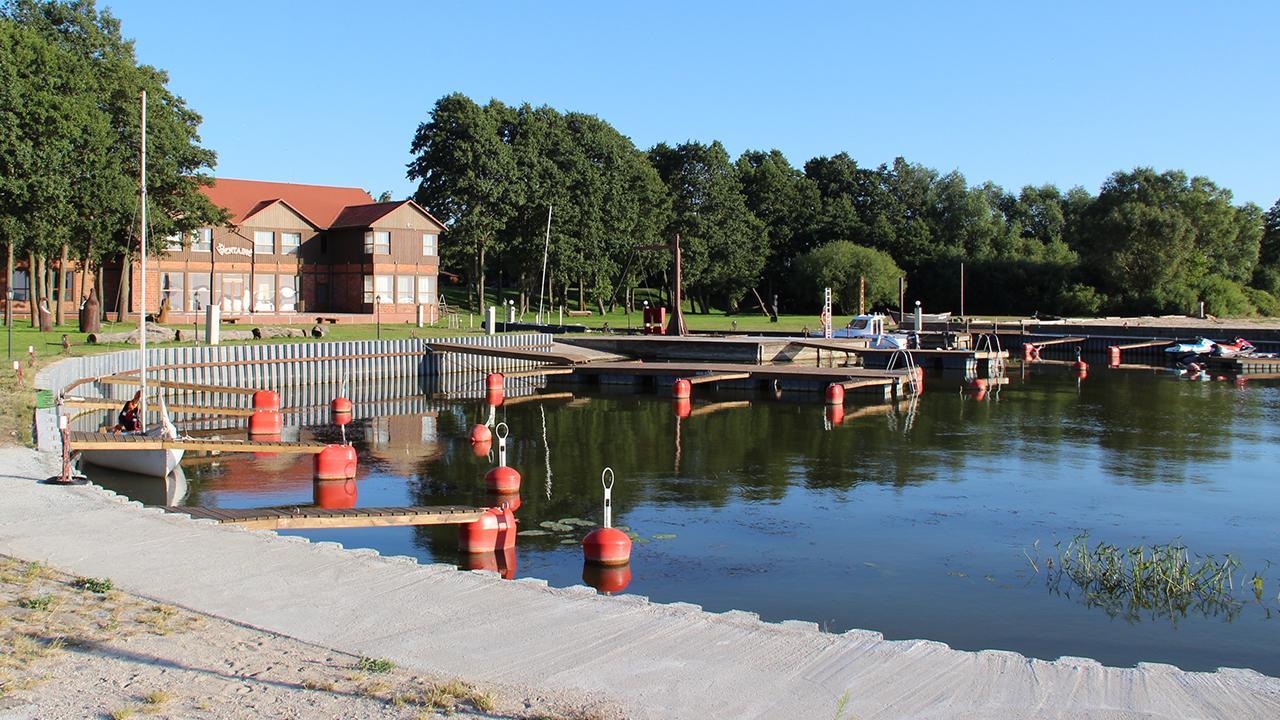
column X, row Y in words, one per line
column 871, row 328
column 1199, row 346
column 153, row 462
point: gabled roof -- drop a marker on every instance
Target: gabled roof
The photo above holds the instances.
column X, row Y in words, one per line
column 276, row 201
column 369, row 214
column 319, row 204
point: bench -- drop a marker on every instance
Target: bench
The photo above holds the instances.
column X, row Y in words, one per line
column 578, row 313
column 330, row 320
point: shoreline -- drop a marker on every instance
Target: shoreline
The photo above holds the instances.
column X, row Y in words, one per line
column 652, row 660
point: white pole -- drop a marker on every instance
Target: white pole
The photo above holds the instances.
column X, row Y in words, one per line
column 142, row 312
column 546, row 248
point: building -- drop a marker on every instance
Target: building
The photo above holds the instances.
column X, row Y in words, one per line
column 291, row 250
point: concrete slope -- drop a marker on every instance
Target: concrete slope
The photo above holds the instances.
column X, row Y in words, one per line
column 658, row 661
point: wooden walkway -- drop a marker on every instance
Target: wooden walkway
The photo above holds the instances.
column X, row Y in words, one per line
column 1241, row 364
column 559, row 354
column 786, row 375
column 303, row 518
column 109, row 441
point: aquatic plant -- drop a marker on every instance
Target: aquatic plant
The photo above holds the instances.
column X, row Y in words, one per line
column 1158, row 580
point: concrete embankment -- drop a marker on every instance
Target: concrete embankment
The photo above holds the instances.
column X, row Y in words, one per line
column 656, row 660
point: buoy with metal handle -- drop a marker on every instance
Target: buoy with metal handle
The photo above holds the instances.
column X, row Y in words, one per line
column 607, row 545
column 502, row 479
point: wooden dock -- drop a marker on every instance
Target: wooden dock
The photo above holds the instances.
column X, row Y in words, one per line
column 559, row 354
column 108, row 441
column 1244, row 365
column 314, row 518
column 783, row 376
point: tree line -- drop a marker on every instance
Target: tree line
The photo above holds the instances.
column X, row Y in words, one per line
column 757, row 226
column 70, row 131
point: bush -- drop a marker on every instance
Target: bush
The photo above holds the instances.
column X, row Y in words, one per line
column 1225, row 298
column 1263, row 301
column 1080, row 299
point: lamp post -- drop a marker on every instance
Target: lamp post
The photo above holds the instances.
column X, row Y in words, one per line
column 377, row 313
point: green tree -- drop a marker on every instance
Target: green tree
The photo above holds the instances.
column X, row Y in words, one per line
column 724, row 245
column 786, row 201
column 840, row 265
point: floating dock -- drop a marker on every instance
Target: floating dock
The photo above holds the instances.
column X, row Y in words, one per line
column 108, row 441
column 313, row 518
column 782, row 377
column 1244, row 365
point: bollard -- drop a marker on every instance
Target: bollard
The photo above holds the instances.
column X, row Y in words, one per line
column 607, row 545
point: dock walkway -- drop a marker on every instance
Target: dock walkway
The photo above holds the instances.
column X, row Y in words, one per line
column 311, row 518
column 109, row 441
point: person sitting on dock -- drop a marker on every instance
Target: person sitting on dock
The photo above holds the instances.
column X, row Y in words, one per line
column 128, row 420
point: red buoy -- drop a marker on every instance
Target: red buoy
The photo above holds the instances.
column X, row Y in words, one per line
column 335, row 494
column 682, row 389
column 503, row 563
column 266, row 400
column 494, row 397
column 494, row 381
column 607, row 579
column 335, row 462
column 481, row 434
column 607, row 546
column 683, row 407
column 1113, row 356
column 976, row 385
column 340, row 411
column 1080, row 372
column 502, row 479
column 265, row 422
column 495, row 499
column 835, row 394
column 1080, row 366
column 1028, row 352
column 495, row 530
column 481, row 449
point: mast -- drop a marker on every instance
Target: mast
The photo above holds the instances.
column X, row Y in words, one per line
column 142, row 311
column 546, row 248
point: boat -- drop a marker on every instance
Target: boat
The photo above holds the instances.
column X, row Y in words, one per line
column 1199, row 346
column 871, row 328
column 1239, row 346
column 153, row 462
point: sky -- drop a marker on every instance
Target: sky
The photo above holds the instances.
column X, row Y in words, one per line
column 1016, row 93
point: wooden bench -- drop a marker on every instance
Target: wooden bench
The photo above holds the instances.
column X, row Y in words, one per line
column 330, row 320
column 578, row 313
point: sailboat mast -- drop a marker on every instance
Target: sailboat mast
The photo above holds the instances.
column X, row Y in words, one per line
column 546, row 248
column 142, row 311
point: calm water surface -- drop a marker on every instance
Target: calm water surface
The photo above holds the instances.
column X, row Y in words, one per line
column 912, row 522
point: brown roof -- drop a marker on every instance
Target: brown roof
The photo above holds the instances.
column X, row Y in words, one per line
column 366, row 215
column 320, row 204
column 275, row 201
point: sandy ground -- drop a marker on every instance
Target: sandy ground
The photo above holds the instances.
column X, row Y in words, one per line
column 535, row 651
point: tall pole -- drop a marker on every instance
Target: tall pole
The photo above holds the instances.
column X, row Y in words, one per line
column 546, row 249
column 142, row 311
column 676, row 324
column 962, row 315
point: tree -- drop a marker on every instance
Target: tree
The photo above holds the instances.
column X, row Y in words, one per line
column 724, row 245
column 786, row 201
column 466, row 176
column 840, row 265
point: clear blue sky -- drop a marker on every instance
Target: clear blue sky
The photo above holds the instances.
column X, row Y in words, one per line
column 1015, row 92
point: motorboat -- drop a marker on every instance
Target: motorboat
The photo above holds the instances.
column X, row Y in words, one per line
column 1199, row 346
column 871, row 328
column 1239, row 346
column 152, row 462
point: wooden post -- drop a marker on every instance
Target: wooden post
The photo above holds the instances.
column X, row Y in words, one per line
column 862, row 294
column 676, row 325
column 962, row 290
column 902, row 295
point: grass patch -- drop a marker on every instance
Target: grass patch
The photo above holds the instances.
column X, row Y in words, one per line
column 374, row 665
column 39, row 602
column 94, row 585
column 157, row 697
column 124, row 713
column 311, row 683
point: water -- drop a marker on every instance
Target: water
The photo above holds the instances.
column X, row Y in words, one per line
column 910, row 522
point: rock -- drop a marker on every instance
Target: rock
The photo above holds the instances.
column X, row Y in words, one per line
column 318, row 331
column 278, row 331
column 155, row 334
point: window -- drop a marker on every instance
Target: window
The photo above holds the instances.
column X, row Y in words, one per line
column 264, row 242
column 404, row 289
column 289, row 243
column 172, row 243
column 172, row 290
column 429, row 244
column 377, row 242
column 202, row 240
column 264, row 293
column 379, row 287
column 426, row 289
column 200, row 284
column 21, row 285
column 289, row 292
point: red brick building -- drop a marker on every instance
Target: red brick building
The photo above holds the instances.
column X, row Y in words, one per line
column 291, row 250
